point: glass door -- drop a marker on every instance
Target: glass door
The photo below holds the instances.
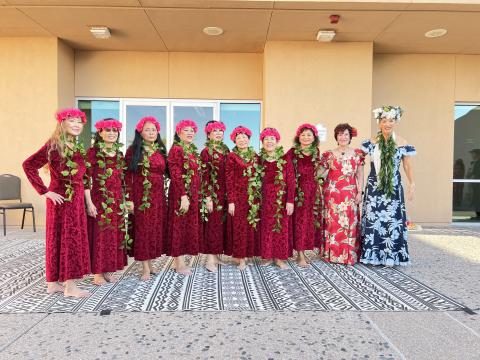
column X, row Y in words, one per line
column 134, row 110
column 466, row 163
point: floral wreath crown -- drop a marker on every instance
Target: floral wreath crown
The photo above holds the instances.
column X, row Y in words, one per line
column 388, row 112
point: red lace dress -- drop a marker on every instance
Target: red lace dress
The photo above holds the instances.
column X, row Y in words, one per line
column 67, row 253
column 149, row 225
column 306, row 235
column 184, row 231
column 241, row 237
column 276, row 245
column 341, row 218
column 214, row 230
column 105, row 240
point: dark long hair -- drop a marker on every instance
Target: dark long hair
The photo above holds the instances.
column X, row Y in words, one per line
column 137, row 152
column 316, row 140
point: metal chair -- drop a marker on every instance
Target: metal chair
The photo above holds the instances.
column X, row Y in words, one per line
column 10, row 190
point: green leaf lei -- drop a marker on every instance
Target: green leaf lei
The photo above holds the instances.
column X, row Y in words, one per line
column 254, row 172
column 279, row 180
column 148, row 150
column 300, row 196
column 108, row 200
column 386, row 173
column 189, row 172
column 72, row 166
column 214, row 148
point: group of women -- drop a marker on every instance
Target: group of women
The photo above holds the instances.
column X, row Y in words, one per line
column 220, row 201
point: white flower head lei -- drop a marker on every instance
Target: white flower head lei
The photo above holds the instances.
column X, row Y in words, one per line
column 388, row 112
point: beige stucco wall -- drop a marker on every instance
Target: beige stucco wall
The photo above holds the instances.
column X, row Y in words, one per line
column 467, row 78
column 168, row 75
column 318, row 83
column 37, row 76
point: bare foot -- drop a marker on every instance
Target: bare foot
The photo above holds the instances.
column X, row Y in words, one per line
column 302, row 263
column 212, row 267
column 266, row 263
column 54, row 287
column 242, row 265
column 99, row 279
column 281, row 264
column 74, row 291
column 110, row 278
column 145, row 276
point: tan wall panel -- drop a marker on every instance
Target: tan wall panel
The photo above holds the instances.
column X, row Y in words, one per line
column 121, row 74
column 424, row 86
column 168, row 75
column 317, row 83
column 66, row 75
column 216, row 76
column 467, row 79
column 28, row 100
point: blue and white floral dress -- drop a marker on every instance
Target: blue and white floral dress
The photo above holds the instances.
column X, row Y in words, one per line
column 383, row 225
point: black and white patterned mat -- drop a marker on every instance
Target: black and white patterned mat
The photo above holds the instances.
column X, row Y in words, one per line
column 322, row 286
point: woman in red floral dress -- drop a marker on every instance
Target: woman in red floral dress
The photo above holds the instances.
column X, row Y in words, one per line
column 184, row 226
column 214, row 157
column 278, row 195
column 106, row 225
column 305, row 156
column 342, row 192
column 67, row 251
column 243, row 183
column 147, row 168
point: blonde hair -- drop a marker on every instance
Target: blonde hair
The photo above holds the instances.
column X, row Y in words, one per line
column 57, row 141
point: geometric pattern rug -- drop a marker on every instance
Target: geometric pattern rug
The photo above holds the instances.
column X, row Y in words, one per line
column 321, row 287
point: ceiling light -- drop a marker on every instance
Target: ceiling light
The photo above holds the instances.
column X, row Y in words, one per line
column 435, row 33
column 213, row 30
column 100, row 32
column 325, row 35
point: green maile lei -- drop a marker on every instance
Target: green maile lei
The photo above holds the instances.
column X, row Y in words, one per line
column 385, row 175
column 277, row 157
column 189, row 172
column 300, row 195
column 72, row 166
column 102, row 162
column 214, row 148
column 254, row 173
column 148, row 151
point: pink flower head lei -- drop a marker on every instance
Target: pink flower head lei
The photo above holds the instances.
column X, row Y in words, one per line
column 70, row 113
column 305, row 126
column 240, row 130
column 269, row 131
column 186, row 123
column 151, row 119
column 216, row 125
column 108, row 124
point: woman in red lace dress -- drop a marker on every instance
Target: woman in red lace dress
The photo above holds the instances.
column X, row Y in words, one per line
column 184, row 227
column 305, row 156
column 214, row 157
column 66, row 252
column 278, row 195
column 147, row 168
column 342, row 192
column 103, row 198
column 243, row 215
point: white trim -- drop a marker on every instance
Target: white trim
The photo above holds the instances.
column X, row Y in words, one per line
column 466, row 180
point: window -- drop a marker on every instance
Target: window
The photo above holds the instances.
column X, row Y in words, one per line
column 466, row 163
column 169, row 112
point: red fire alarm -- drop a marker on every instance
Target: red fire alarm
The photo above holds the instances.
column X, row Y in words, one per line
column 334, row 19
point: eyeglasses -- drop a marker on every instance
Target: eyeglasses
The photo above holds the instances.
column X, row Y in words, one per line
column 110, row 130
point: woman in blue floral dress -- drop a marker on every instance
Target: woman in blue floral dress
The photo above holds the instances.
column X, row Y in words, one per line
column 384, row 228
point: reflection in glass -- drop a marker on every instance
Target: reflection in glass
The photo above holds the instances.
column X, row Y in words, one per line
column 96, row 110
column 248, row 115
column 466, row 163
column 135, row 112
column 200, row 114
